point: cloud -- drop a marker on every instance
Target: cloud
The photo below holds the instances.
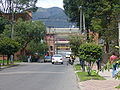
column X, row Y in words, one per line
column 50, row 3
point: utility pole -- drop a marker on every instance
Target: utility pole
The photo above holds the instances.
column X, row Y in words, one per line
column 80, row 8
column 119, row 35
column 12, row 26
column 84, row 29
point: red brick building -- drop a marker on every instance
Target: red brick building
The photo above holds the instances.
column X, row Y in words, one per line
column 57, row 39
column 25, row 16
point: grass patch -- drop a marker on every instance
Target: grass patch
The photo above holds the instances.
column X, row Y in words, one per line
column 5, row 62
column 118, row 86
column 84, row 76
column 77, row 67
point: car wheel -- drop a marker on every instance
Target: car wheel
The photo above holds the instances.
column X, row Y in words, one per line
column 61, row 62
column 52, row 62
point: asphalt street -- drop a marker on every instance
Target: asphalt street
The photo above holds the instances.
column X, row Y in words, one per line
column 38, row 76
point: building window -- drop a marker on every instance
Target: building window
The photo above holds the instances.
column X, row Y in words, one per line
column 51, row 48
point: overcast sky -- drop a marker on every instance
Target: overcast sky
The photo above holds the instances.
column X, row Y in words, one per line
column 50, row 3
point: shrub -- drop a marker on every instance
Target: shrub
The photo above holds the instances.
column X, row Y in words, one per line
column 90, row 52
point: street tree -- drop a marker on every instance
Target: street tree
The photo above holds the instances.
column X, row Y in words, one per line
column 3, row 22
column 75, row 42
column 90, row 52
column 101, row 16
column 26, row 31
column 17, row 6
column 8, row 47
column 37, row 47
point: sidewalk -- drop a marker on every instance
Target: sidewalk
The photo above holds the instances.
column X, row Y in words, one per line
column 108, row 84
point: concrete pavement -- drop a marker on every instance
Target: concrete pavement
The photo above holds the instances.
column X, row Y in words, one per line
column 38, row 76
column 108, row 84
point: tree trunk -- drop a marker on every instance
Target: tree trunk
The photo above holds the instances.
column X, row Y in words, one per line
column 89, row 68
column 8, row 59
column 107, row 47
column 3, row 60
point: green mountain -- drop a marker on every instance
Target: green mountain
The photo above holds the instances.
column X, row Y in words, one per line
column 53, row 17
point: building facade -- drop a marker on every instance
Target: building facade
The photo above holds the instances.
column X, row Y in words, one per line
column 25, row 16
column 58, row 39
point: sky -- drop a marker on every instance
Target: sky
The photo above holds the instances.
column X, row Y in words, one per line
column 50, row 3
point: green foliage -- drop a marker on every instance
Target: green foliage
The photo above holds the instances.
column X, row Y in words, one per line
column 77, row 67
column 27, row 31
column 75, row 42
column 38, row 47
column 101, row 16
column 84, row 76
column 94, row 8
column 90, row 52
column 8, row 46
column 17, row 5
column 109, row 66
column 118, row 86
column 117, row 75
column 3, row 22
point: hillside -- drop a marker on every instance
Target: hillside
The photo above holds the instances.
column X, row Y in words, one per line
column 52, row 17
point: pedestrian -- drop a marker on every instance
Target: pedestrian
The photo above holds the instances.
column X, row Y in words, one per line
column 29, row 58
column 11, row 59
column 98, row 62
column 113, row 58
column 82, row 64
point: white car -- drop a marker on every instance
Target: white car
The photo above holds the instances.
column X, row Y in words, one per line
column 67, row 55
column 57, row 58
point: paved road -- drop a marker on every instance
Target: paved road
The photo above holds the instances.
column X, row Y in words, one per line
column 38, row 76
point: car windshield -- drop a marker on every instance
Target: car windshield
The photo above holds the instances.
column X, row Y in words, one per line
column 57, row 56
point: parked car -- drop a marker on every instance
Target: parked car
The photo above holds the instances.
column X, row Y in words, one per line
column 47, row 59
column 57, row 58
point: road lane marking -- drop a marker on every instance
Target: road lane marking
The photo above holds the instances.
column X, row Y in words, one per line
column 29, row 72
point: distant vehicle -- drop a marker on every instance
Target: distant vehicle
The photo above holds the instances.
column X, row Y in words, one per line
column 68, row 54
column 47, row 59
column 57, row 58
column 71, row 59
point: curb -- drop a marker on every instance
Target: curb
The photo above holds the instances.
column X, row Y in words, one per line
column 81, row 87
column 4, row 67
column 78, row 81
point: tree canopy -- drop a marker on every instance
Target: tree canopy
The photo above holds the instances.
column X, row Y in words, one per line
column 38, row 47
column 8, row 6
column 91, row 8
column 8, row 46
column 75, row 42
column 3, row 22
column 26, row 32
column 101, row 16
column 90, row 52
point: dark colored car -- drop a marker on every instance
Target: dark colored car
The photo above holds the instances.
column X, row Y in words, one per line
column 47, row 59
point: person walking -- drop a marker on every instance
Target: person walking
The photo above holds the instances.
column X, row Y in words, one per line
column 98, row 62
column 113, row 58
column 29, row 59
